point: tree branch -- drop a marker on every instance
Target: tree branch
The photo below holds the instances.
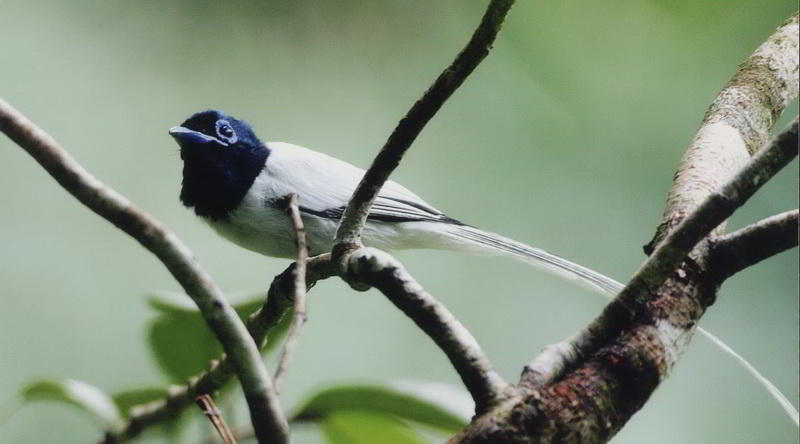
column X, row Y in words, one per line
column 206, row 404
column 299, row 295
column 752, row 244
column 462, row 349
column 355, row 215
column 669, row 254
column 265, row 410
column 278, row 301
column 625, row 354
column 380, row 270
column 736, row 125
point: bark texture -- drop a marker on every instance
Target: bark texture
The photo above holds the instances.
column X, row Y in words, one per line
column 610, row 369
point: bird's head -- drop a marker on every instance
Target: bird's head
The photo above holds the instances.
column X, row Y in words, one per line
column 214, row 130
column 222, row 156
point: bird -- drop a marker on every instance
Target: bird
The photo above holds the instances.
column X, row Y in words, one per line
column 236, row 183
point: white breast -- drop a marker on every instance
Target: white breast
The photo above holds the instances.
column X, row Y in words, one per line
column 258, row 225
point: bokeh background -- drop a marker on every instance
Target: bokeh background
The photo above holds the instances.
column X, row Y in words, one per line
column 566, row 137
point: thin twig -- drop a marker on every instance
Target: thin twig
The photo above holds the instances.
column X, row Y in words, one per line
column 265, row 410
column 752, row 244
column 355, row 215
column 206, row 404
column 379, row 269
column 240, row 434
column 299, row 316
column 180, row 397
column 474, row 368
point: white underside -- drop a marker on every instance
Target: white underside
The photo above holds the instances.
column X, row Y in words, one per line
column 268, row 231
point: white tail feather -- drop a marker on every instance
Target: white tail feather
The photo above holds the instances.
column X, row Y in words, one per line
column 534, row 256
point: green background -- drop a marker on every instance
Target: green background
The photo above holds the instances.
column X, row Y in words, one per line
column 566, row 137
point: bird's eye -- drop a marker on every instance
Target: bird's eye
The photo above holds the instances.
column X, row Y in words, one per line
column 225, row 131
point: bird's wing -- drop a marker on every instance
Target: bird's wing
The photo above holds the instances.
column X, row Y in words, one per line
column 324, row 185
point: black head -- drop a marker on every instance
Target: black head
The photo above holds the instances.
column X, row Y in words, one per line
column 221, row 158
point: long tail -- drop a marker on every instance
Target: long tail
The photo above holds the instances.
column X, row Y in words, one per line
column 535, row 256
column 485, row 240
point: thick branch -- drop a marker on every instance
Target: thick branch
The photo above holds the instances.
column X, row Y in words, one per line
column 265, row 410
column 355, row 215
column 714, row 210
column 623, row 356
column 752, row 244
column 299, row 295
column 278, row 302
column 380, row 270
column 736, row 125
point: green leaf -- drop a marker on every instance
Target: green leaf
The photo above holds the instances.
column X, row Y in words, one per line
column 181, row 342
column 129, row 398
column 362, row 427
column 177, row 303
column 87, row 397
column 387, row 401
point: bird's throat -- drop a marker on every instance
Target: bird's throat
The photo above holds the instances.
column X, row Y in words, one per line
column 216, row 180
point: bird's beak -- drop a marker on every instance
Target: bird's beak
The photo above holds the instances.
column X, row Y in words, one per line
column 182, row 134
column 176, row 131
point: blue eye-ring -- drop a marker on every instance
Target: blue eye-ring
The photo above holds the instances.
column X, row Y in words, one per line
column 225, row 132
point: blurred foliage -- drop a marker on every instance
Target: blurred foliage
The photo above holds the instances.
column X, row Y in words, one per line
column 181, row 342
column 353, row 414
column 364, row 427
column 378, row 400
column 86, row 397
column 566, row 137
